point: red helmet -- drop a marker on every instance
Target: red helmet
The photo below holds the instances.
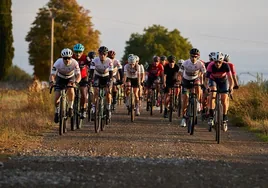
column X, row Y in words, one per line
column 111, row 54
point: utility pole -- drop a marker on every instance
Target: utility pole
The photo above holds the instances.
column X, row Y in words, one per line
column 52, row 16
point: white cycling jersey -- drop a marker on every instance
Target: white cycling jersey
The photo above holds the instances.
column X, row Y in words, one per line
column 142, row 69
column 65, row 71
column 117, row 65
column 191, row 70
column 102, row 68
column 131, row 72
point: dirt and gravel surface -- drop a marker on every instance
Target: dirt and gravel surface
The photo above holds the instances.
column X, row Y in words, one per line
column 151, row 152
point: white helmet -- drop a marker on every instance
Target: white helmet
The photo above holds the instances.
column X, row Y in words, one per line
column 180, row 61
column 210, row 55
column 217, row 56
column 137, row 58
column 130, row 55
column 66, row 52
column 227, row 57
column 132, row 59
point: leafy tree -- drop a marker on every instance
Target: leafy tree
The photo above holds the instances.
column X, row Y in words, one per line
column 157, row 40
column 71, row 25
column 6, row 38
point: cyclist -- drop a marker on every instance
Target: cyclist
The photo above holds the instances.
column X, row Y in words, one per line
column 81, row 58
column 132, row 78
column 163, row 60
column 117, row 74
column 218, row 73
column 102, row 68
column 170, row 78
column 65, row 72
column 191, row 71
column 179, row 63
column 232, row 69
column 142, row 77
column 90, row 56
column 155, row 74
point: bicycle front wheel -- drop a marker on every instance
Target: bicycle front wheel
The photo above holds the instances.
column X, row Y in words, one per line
column 98, row 116
column 62, row 116
column 132, row 113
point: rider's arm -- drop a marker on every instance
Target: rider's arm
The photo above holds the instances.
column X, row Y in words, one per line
column 121, row 73
column 77, row 73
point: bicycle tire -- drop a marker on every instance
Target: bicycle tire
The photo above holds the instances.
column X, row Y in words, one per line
column 104, row 119
column 194, row 108
column 152, row 102
column 89, row 106
column 97, row 120
column 132, row 113
column 62, row 115
column 179, row 104
column 218, row 119
column 161, row 102
column 171, row 101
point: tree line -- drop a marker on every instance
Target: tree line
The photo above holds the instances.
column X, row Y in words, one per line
column 72, row 24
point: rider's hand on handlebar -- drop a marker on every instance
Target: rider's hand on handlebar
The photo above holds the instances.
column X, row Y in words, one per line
column 51, row 84
column 236, row 87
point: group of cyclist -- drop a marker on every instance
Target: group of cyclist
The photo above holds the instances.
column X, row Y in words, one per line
column 76, row 68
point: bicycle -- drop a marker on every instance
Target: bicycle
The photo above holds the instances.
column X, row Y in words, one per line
column 172, row 102
column 101, row 112
column 90, row 96
column 63, row 116
column 76, row 119
column 131, row 103
column 151, row 99
column 191, row 111
column 218, row 116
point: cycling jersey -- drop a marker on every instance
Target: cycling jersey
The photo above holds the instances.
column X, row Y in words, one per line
column 232, row 68
column 191, row 70
column 65, row 71
column 141, row 68
column 117, row 65
column 218, row 73
column 171, row 77
column 83, row 64
column 155, row 70
column 101, row 68
column 132, row 72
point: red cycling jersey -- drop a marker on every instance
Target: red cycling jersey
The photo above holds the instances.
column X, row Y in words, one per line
column 232, row 68
column 83, row 64
column 155, row 70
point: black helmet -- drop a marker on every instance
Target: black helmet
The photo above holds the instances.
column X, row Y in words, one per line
column 194, row 51
column 156, row 58
column 163, row 58
column 103, row 50
column 171, row 58
column 91, row 54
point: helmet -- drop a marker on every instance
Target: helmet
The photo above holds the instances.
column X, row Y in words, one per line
column 180, row 61
column 130, row 55
column 210, row 55
column 194, row 51
column 132, row 59
column 111, row 54
column 91, row 54
column 66, row 52
column 163, row 58
column 137, row 58
column 171, row 58
column 103, row 50
column 226, row 57
column 78, row 48
column 217, row 56
column 156, row 58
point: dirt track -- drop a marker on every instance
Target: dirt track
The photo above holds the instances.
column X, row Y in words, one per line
column 148, row 153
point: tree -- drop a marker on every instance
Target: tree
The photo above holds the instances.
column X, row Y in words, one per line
column 157, row 40
column 6, row 38
column 71, row 25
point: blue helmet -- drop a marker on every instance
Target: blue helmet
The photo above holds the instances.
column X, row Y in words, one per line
column 79, row 48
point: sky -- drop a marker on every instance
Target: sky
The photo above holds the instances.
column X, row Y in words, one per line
column 236, row 27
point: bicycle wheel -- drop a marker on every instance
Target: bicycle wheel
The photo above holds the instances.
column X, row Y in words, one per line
column 98, row 116
column 89, row 106
column 78, row 119
column 218, row 119
column 161, row 101
column 194, row 108
column 152, row 102
column 62, row 114
column 171, row 105
column 132, row 111
column 179, row 104
column 73, row 118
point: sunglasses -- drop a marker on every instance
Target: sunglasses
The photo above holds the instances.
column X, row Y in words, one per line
column 66, row 58
column 194, row 56
column 77, row 52
column 103, row 54
column 218, row 62
column 172, row 62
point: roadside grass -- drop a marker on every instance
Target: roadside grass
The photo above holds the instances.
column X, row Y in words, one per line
column 24, row 114
column 250, row 109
